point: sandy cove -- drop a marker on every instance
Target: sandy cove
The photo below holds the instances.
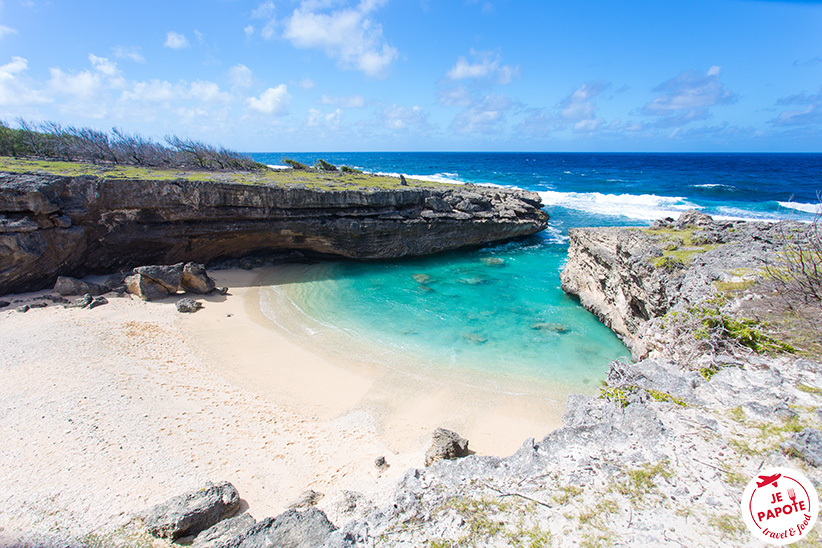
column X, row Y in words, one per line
column 104, row 412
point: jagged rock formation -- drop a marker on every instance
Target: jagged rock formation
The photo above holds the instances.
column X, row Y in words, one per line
column 73, row 226
column 628, row 276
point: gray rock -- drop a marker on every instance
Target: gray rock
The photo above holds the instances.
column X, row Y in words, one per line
column 145, row 288
column 693, row 218
column 807, row 445
column 381, row 463
column 291, row 529
column 169, row 276
column 23, row 309
column 306, row 499
column 436, row 203
column 4, row 304
column 82, row 302
column 193, row 512
column 97, row 301
column 188, row 305
column 446, row 444
column 117, row 281
column 70, row 286
column 196, row 280
column 224, row 531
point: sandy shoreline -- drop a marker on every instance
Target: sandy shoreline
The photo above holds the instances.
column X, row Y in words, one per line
column 106, row 411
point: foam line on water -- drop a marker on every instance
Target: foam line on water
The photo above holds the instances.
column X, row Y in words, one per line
column 813, row 209
column 646, row 207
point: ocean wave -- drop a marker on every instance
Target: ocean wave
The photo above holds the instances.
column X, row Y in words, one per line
column 813, row 209
column 449, row 178
column 646, row 207
column 718, row 186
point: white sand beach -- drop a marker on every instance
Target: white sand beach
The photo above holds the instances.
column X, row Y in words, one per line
column 104, row 412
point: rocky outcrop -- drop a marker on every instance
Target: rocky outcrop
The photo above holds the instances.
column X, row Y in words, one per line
column 446, row 444
column 628, row 276
column 191, row 513
column 71, row 226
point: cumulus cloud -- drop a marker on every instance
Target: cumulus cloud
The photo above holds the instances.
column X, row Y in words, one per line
column 688, row 97
column 484, row 64
column 457, row 96
column 273, row 101
column 349, row 35
column 240, row 76
column 807, row 110
column 133, row 53
column 351, row 101
column 401, row 117
column 175, row 40
column 331, row 120
column 14, row 89
column 485, row 116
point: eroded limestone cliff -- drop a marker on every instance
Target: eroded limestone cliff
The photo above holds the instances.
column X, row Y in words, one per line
column 52, row 225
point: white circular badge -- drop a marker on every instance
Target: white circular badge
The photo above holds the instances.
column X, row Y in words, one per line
column 780, row 506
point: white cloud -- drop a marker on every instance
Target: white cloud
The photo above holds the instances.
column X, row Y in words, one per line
column 688, row 97
column 175, row 40
column 133, row 53
column 5, row 31
column 456, row 96
column 14, row 90
column 272, row 101
column 485, row 116
column 348, row 35
column 83, row 84
column 208, row 92
column 306, row 83
column 351, row 101
column 240, row 76
column 249, row 30
column 153, row 91
column 400, row 117
column 485, row 64
column 331, row 120
column 809, row 112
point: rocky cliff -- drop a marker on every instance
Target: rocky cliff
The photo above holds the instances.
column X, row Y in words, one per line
column 629, row 276
column 52, row 225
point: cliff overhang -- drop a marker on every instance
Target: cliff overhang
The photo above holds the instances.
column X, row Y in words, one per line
column 52, row 225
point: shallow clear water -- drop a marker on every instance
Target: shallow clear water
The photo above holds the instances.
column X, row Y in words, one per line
column 498, row 312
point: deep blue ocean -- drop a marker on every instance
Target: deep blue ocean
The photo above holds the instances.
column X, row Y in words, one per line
column 499, row 310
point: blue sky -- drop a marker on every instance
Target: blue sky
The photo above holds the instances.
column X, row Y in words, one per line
column 339, row 75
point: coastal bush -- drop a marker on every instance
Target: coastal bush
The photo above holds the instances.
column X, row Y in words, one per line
column 797, row 270
column 295, row 165
column 322, row 165
column 50, row 140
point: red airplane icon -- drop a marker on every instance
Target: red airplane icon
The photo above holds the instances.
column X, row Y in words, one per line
column 767, row 480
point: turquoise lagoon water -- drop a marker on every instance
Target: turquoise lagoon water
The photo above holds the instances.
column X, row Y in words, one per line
column 497, row 313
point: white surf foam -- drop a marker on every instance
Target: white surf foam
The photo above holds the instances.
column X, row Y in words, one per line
column 807, row 208
column 646, row 207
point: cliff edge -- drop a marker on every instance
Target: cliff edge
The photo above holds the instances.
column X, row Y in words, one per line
column 53, row 225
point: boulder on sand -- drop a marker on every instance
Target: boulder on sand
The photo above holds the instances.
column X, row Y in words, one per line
column 196, row 280
column 193, row 512
column 446, row 444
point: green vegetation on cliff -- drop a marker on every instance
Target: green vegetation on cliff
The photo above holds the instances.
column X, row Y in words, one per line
column 318, row 180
